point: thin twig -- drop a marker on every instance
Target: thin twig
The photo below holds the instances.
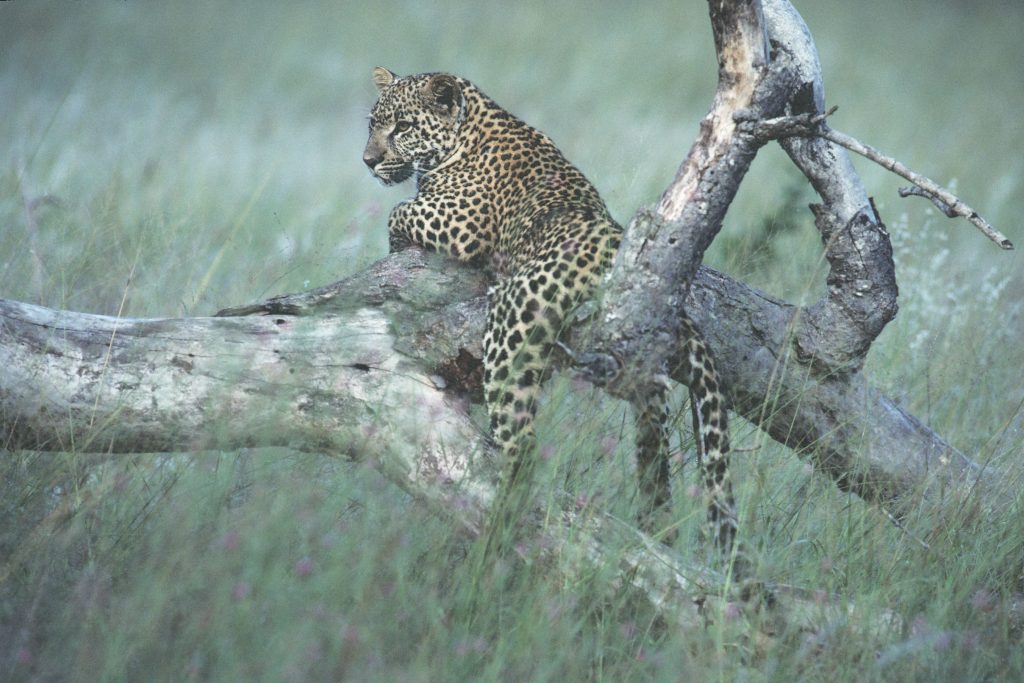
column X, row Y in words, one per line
column 807, row 125
column 930, row 187
column 942, row 206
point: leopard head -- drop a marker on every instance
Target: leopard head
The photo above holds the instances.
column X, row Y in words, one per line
column 414, row 125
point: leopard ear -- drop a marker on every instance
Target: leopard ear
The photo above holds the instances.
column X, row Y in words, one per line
column 444, row 92
column 382, row 78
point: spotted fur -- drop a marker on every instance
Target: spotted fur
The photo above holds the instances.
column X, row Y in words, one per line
column 491, row 187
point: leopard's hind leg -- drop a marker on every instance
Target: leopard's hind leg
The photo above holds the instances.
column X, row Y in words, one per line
column 711, row 431
column 652, row 418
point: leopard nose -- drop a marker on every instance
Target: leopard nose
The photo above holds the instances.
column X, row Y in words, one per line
column 371, row 160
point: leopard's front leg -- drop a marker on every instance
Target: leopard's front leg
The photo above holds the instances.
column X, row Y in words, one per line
column 426, row 221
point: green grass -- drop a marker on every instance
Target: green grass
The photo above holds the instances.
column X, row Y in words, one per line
column 172, row 159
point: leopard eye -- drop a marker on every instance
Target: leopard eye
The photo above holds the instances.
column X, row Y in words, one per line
column 402, row 126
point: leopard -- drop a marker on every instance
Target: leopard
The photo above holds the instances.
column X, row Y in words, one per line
column 493, row 190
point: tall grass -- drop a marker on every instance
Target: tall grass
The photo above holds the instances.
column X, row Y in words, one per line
column 176, row 158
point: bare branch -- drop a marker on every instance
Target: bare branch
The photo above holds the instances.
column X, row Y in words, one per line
column 931, row 189
column 942, row 206
column 662, row 248
column 742, row 48
column 811, row 125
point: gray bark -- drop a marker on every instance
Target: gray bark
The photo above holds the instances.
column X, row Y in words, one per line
column 793, row 371
column 357, row 369
column 351, row 370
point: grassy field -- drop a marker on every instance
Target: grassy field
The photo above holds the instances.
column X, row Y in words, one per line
column 172, row 159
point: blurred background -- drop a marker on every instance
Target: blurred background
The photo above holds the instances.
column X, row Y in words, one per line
column 212, row 151
column 172, row 159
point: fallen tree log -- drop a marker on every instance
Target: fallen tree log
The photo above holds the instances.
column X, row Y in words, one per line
column 357, row 369
column 345, row 368
column 341, row 372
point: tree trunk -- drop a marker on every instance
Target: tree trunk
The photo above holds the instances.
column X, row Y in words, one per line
column 358, row 369
column 375, row 367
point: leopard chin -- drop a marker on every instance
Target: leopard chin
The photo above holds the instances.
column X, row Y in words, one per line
column 393, row 173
